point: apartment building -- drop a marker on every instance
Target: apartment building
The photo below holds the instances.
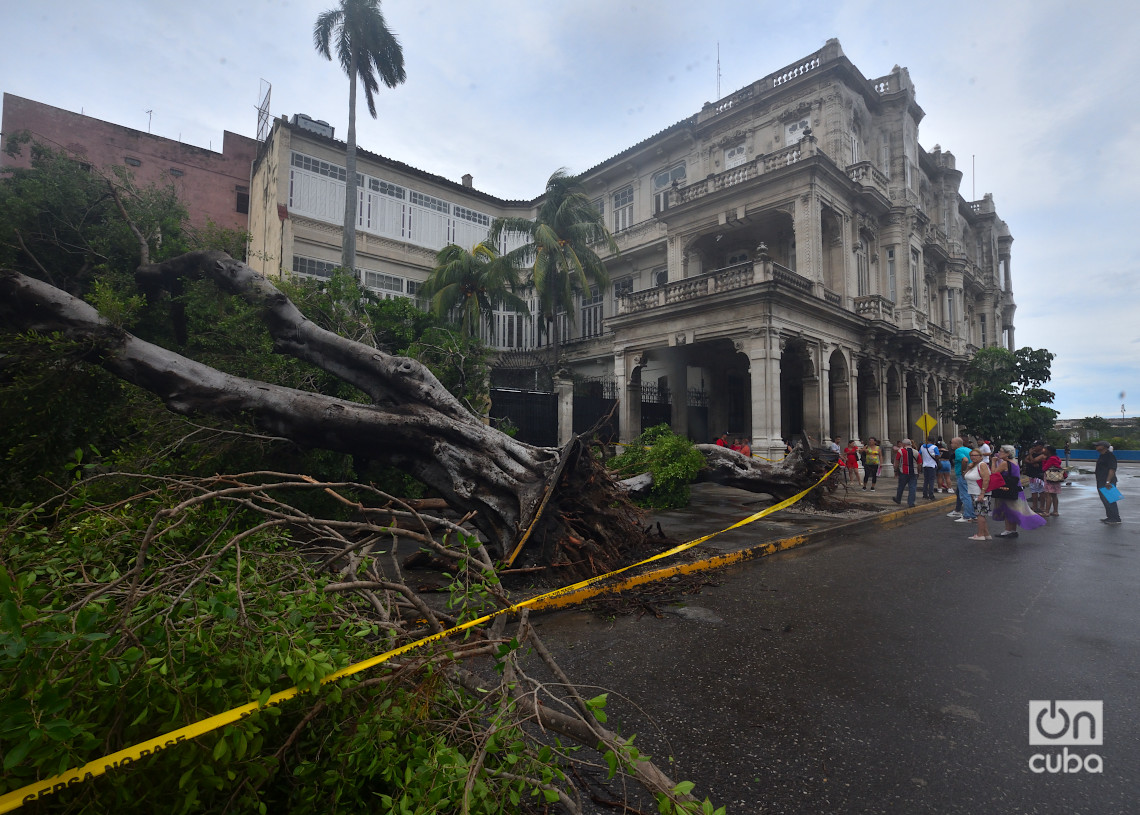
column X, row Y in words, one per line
column 792, row 260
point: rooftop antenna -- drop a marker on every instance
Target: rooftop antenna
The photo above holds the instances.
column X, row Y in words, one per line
column 263, row 111
column 148, row 115
column 973, row 176
column 718, row 70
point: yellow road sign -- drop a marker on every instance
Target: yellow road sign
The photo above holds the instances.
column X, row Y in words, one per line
column 926, row 423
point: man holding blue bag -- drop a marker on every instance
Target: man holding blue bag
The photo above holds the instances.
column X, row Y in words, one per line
column 1106, row 483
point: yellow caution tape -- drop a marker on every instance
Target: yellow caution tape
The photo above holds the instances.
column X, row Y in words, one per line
column 17, row 798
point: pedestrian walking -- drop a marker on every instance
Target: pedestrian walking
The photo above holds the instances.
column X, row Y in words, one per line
column 1013, row 511
column 929, row 453
column 1106, row 477
column 906, row 467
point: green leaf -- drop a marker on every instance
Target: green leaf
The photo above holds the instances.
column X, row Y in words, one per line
column 16, row 754
column 10, row 615
column 551, row 796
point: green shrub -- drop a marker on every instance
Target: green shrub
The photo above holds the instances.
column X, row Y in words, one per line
column 672, row 460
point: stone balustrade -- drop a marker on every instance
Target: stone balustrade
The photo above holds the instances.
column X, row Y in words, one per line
column 867, row 174
column 937, row 236
column 875, row 307
column 728, row 178
column 940, row 335
column 796, row 70
column 787, row 277
column 734, row 277
column 833, row 297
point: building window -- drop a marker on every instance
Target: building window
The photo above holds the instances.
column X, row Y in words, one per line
column 891, row 276
column 472, row 216
column 856, row 153
column 662, row 183
column 319, row 167
column 428, row 202
column 623, row 209
column 383, row 282
column 242, row 203
column 387, row 188
column 176, row 173
column 794, row 131
column 312, row 268
column 951, row 313
column 659, row 276
column 862, row 269
column 735, row 156
column 915, row 264
column 591, row 320
column 622, row 288
column 132, row 161
column 985, row 337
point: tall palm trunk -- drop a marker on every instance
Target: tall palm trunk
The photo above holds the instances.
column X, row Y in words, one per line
column 348, row 249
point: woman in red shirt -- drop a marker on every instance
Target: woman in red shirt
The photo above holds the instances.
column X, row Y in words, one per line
column 851, row 457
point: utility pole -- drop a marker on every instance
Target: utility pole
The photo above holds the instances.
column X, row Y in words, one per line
column 148, row 115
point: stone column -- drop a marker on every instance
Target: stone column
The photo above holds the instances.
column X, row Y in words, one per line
column 564, row 390
column 809, row 237
column 763, row 351
column 627, row 380
column 718, row 405
column 915, row 401
column 679, row 389
column 812, row 415
column 675, row 258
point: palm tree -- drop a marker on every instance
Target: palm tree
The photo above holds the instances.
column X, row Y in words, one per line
column 369, row 51
column 474, row 283
column 559, row 248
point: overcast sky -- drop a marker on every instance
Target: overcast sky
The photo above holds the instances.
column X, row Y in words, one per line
column 1043, row 95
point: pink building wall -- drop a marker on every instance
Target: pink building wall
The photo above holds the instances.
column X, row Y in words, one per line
column 209, row 185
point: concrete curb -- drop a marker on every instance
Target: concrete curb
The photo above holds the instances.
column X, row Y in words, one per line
column 887, row 520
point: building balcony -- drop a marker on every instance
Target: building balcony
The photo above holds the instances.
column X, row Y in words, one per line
column 875, row 307
column 745, row 172
column 868, row 176
column 730, row 278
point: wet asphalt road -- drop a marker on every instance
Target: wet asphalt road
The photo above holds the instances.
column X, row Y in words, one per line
column 888, row 671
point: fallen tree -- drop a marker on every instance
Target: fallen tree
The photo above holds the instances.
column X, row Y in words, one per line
column 130, row 620
column 411, row 421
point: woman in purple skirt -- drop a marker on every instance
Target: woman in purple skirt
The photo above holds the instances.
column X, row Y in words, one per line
column 1014, row 512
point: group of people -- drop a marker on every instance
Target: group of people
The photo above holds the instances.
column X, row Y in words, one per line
column 985, row 489
column 739, row 444
column 997, row 483
column 989, row 481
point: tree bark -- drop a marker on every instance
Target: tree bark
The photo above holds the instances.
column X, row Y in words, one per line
column 413, row 423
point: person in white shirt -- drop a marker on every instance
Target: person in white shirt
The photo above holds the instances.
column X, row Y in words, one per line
column 929, row 453
column 986, row 451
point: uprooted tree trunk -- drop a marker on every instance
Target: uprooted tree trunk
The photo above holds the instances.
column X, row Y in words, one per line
column 413, row 422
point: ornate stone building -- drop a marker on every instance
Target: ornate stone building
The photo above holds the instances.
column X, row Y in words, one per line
column 791, row 259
